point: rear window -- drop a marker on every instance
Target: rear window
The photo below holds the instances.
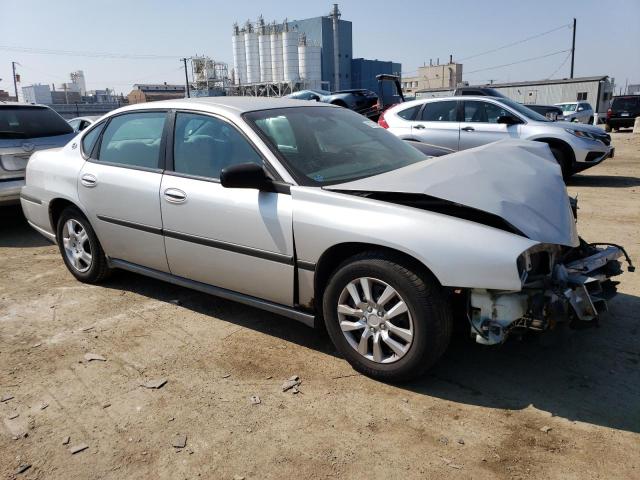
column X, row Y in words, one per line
column 409, row 113
column 626, row 103
column 31, row 122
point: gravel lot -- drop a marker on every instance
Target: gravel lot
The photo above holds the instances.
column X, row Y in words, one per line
column 558, row 407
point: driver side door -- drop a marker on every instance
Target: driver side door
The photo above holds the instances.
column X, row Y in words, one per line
column 233, row 238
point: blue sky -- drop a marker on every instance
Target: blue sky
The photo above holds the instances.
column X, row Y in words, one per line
column 410, row 32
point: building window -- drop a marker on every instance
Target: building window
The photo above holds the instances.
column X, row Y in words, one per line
column 582, row 95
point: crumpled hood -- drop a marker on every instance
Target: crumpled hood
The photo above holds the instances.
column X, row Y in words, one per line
column 517, row 180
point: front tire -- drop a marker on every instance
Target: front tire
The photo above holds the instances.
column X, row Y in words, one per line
column 563, row 161
column 388, row 318
column 80, row 248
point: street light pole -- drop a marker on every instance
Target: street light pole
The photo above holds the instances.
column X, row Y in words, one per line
column 186, row 77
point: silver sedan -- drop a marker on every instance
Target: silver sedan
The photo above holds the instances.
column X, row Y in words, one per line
column 318, row 214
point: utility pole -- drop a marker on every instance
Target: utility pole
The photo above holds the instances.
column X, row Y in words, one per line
column 186, row 76
column 573, row 46
column 15, row 83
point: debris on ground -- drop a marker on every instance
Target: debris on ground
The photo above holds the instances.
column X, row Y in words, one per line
column 36, row 345
column 66, row 440
column 226, row 375
column 461, row 441
column 106, row 405
column 23, row 468
column 179, row 441
column 86, row 329
column 238, row 477
column 154, row 384
column 6, row 397
column 254, row 399
column 451, row 464
column 293, row 381
column 546, row 429
column 43, row 405
column 443, row 440
column 94, row 356
column 78, row 448
column 13, row 415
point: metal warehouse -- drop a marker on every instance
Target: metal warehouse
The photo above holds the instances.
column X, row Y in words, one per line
column 595, row 90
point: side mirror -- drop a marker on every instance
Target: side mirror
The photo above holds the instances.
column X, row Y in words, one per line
column 580, row 109
column 246, row 175
column 508, row 120
column 315, row 97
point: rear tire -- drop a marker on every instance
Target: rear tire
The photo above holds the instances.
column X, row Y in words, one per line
column 80, row 248
column 408, row 343
column 607, row 127
column 563, row 161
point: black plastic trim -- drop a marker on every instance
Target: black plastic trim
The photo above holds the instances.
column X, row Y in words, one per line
column 310, row 266
column 284, row 310
column 136, row 226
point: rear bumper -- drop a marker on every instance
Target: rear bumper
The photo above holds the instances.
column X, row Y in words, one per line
column 575, row 293
column 10, row 191
column 621, row 122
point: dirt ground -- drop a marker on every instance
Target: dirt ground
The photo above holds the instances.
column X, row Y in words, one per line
column 481, row 413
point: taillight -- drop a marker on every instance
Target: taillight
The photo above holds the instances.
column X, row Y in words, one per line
column 382, row 122
column 609, row 113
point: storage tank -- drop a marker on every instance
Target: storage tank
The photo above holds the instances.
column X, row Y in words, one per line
column 252, row 53
column 290, row 54
column 309, row 59
column 264, row 50
column 239, row 55
column 277, row 72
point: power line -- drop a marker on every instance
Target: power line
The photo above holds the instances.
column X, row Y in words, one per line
column 519, row 61
column 560, row 66
column 77, row 53
column 518, row 42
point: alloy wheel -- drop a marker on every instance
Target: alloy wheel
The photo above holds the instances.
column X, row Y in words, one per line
column 375, row 320
column 76, row 245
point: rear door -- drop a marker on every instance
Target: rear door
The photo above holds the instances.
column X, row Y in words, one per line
column 437, row 123
column 120, row 186
column 233, row 238
column 480, row 125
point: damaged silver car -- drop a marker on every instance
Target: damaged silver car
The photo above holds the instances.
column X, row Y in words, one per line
column 317, row 214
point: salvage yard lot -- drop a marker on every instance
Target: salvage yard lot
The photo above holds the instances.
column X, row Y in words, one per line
column 562, row 407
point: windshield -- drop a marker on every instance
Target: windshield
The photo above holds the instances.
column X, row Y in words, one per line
column 567, row 107
column 323, row 145
column 524, row 111
column 31, row 122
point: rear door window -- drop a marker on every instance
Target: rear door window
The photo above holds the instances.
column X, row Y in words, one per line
column 446, row 111
column 31, row 122
column 409, row 113
column 133, row 139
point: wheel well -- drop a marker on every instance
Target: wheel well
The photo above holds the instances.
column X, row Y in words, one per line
column 334, row 256
column 56, row 208
column 564, row 147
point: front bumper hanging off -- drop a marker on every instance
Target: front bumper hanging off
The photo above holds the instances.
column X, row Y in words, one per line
column 575, row 292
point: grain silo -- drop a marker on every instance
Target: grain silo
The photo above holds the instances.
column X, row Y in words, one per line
column 277, row 71
column 290, row 53
column 252, row 53
column 239, row 55
column 309, row 60
column 264, row 50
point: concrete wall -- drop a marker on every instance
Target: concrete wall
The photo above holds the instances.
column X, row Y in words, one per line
column 84, row 109
column 447, row 75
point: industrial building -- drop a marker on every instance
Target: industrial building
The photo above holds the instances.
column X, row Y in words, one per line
column 37, row 93
column 434, row 76
column 153, row 92
column 210, row 78
column 279, row 58
column 596, row 90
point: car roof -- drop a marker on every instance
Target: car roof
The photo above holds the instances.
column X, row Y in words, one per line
column 22, row 105
column 234, row 105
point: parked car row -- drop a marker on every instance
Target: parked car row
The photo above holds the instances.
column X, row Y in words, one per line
column 313, row 212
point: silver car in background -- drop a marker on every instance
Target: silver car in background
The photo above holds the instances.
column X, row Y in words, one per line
column 580, row 112
column 313, row 212
column 80, row 123
column 24, row 129
column 466, row 122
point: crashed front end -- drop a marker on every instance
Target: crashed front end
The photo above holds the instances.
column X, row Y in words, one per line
column 560, row 285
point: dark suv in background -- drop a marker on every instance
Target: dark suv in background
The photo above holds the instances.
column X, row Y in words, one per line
column 25, row 128
column 623, row 112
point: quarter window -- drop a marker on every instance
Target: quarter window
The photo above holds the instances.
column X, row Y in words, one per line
column 90, row 139
column 440, row 111
column 409, row 113
column 205, row 145
column 483, row 112
column 133, row 139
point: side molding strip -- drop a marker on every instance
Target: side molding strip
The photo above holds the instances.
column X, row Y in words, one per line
column 306, row 318
column 124, row 223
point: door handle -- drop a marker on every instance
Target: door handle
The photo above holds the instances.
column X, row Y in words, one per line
column 468, row 129
column 419, row 127
column 175, row 195
column 89, row 180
